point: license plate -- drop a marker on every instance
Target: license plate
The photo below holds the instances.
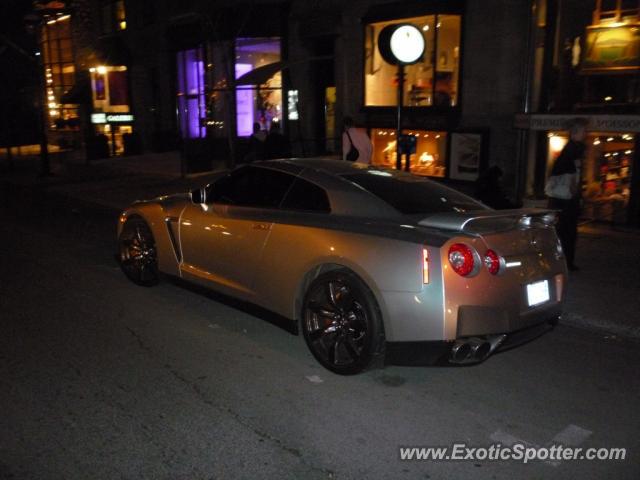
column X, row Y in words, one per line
column 538, row 293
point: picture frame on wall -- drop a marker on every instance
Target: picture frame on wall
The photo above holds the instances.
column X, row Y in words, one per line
column 465, row 155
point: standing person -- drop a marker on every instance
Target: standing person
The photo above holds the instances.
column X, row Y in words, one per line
column 256, row 144
column 276, row 144
column 356, row 144
column 563, row 188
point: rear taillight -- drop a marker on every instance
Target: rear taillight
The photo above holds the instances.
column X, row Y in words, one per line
column 462, row 259
column 492, row 262
column 425, row 265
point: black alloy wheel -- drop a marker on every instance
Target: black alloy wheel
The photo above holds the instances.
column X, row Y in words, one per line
column 137, row 253
column 342, row 324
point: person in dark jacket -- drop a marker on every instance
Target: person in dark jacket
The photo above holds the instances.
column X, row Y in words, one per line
column 563, row 188
column 276, row 144
column 257, row 142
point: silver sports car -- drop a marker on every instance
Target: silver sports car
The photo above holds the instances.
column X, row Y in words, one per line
column 373, row 265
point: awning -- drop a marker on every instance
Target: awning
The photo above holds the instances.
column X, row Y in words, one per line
column 260, row 75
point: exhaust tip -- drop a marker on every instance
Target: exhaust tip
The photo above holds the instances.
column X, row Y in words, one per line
column 482, row 351
column 460, row 352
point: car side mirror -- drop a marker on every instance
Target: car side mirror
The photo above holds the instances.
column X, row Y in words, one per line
column 199, row 196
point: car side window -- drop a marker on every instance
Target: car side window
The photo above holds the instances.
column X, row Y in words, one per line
column 252, row 187
column 305, row 196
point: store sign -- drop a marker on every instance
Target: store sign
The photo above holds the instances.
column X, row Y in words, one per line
column 98, row 118
column 596, row 123
column 111, row 118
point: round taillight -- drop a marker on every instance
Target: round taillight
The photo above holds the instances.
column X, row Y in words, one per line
column 492, row 262
column 461, row 259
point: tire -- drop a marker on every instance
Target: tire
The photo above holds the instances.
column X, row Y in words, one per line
column 137, row 253
column 342, row 324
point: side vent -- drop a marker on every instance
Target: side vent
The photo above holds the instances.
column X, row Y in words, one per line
column 171, row 222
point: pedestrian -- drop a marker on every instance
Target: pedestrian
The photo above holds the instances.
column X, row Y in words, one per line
column 563, row 188
column 276, row 144
column 356, row 144
column 256, row 144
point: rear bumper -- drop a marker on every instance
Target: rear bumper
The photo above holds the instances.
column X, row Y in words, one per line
column 474, row 320
column 440, row 352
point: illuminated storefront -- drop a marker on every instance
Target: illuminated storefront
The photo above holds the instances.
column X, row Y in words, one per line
column 429, row 158
column 111, row 117
column 58, row 61
column 431, row 94
column 606, row 172
column 595, row 77
column 430, row 82
column 203, row 90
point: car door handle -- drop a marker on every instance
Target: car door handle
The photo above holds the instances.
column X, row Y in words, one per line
column 261, row 226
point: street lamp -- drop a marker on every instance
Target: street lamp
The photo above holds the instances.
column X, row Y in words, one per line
column 401, row 44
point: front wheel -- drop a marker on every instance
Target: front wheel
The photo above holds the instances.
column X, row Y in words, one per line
column 342, row 323
column 137, row 253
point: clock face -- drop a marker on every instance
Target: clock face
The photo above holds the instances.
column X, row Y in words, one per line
column 407, row 44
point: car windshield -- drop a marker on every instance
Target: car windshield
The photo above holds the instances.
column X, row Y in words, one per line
column 411, row 195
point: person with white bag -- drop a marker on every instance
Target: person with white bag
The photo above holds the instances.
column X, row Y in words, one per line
column 563, row 188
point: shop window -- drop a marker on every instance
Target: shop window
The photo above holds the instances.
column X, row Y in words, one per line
column 591, row 63
column 191, row 93
column 58, row 61
column 262, row 102
column 432, row 82
column 110, row 89
column 118, row 91
column 605, row 173
column 219, row 96
column 430, row 156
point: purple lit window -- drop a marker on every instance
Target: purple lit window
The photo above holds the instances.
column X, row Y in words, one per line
column 191, row 99
column 244, row 103
column 260, row 102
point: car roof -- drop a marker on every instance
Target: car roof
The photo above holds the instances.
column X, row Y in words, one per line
column 346, row 198
column 329, row 165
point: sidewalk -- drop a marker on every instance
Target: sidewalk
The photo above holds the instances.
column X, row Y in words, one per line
column 604, row 295
column 113, row 183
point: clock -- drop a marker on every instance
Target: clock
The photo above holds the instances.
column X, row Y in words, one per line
column 401, row 44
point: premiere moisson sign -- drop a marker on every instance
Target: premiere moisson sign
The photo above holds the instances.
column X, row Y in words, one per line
column 111, row 118
column 596, row 123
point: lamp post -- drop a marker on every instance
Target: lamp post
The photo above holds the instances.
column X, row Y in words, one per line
column 401, row 44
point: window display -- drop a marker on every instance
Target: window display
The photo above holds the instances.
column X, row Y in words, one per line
column 605, row 173
column 191, row 98
column 430, row 156
column 430, row 82
column 257, row 103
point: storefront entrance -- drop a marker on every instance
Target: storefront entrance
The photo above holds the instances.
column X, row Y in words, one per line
column 606, row 173
column 610, row 172
column 117, row 137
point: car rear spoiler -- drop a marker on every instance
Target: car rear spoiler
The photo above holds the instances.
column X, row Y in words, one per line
column 490, row 219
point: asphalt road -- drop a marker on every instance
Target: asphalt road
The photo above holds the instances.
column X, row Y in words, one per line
column 103, row 379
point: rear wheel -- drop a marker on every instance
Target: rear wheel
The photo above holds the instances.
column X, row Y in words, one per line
column 342, row 324
column 137, row 253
